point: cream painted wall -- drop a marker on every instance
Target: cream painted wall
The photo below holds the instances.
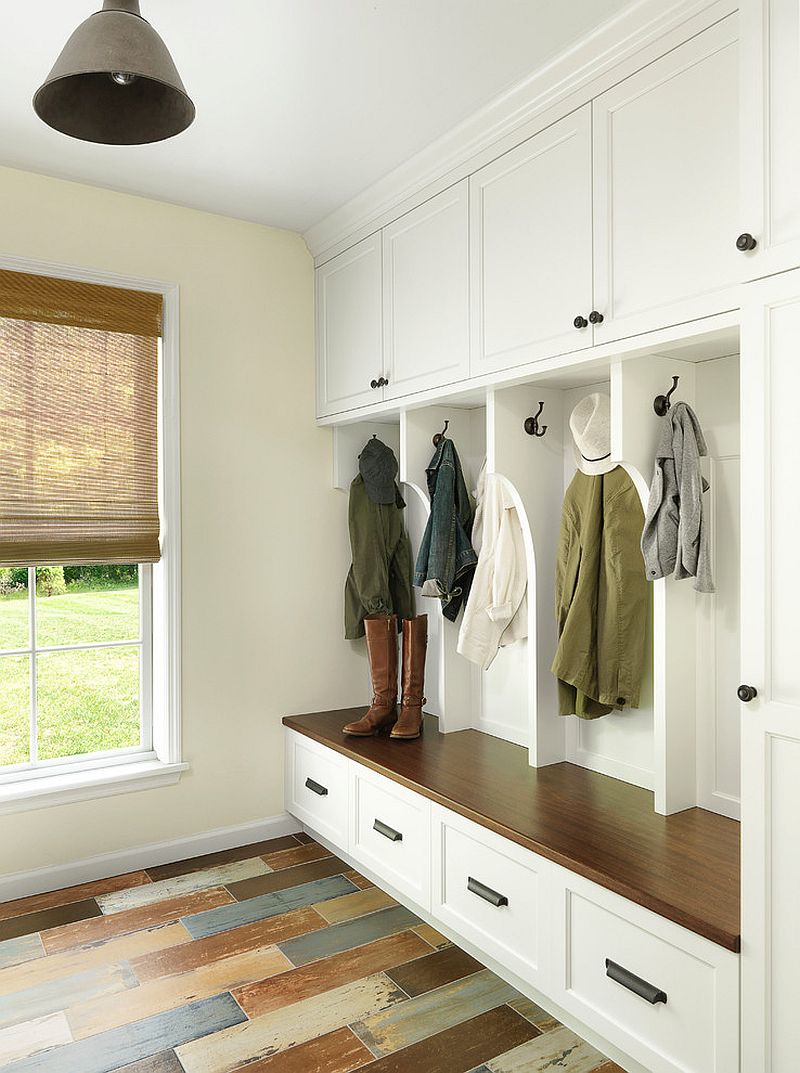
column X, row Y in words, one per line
column 265, row 547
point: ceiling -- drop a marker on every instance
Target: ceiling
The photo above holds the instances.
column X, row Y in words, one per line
column 301, row 104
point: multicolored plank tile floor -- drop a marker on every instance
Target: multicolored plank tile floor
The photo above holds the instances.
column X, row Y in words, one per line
column 270, row 958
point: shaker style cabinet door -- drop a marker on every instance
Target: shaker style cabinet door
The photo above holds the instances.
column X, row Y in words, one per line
column 531, row 248
column 426, row 294
column 350, row 369
column 770, row 80
column 770, row 681
column 666, row 197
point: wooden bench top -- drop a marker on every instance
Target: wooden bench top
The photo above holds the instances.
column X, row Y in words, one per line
column 684, row 867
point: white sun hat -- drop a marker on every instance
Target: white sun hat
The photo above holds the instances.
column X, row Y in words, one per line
column 590, row 423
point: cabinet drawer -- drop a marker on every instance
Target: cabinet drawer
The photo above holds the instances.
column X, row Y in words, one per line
column 317, row 787
column 492, row 892
column 667, row 997
column 390, row 833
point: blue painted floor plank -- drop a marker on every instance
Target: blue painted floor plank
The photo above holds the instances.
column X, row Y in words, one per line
column 61, row 994
column 15, row 951
column 334, row 940
column 122, row 1046
column 213, row 921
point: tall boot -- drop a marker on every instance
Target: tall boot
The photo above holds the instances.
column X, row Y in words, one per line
column 381, row 631
column 415, row 646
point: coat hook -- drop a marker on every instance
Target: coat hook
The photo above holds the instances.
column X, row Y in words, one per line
column 661, row 403
column 532, row 426
column 437, row 439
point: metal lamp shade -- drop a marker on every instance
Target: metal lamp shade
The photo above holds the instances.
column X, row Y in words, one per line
column 81, row 98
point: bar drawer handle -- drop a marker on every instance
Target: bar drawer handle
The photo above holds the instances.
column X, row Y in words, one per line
column 474, row 886
column 316, row 788
column 635, row 984
column 387, row 831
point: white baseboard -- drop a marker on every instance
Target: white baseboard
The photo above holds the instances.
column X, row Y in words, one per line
column 22, row 884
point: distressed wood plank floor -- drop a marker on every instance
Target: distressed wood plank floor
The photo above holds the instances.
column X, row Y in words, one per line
column 270, row 958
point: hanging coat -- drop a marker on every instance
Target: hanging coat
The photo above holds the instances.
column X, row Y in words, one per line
column 675, row 538
column 601, row 596
column 497, row 610
column 379, row 581
column 446, row 559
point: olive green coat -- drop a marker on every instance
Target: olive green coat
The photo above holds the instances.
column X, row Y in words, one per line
column 601, row 596
column 379, row 581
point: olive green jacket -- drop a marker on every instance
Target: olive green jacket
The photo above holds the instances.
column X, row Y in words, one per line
column 379, row 581
column 601, row 596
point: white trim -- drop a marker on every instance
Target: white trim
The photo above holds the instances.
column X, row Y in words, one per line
column 638, row 34
column 23, row 884
column 44, row 791
column 166, row 587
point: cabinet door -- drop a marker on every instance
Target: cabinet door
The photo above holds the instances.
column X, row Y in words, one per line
column 770, row 664
column 531, row 248
column 349, row 331
column 426, row 294
column 770, row 146
column 666, row 197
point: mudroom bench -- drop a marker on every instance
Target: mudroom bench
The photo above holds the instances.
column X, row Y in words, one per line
column 622, row 922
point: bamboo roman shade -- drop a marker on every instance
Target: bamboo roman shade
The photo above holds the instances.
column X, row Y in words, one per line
column 78, row 422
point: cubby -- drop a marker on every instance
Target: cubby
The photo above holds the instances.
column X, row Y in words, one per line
column 682, row 742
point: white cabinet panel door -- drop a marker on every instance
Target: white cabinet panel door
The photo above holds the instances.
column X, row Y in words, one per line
column 771, row 664
column 426, row 294
column 770, row 146
column 531, row 248
column 666, row 191
column 349, row 329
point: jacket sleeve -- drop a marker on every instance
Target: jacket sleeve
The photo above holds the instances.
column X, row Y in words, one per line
column 510, row 571
column 370, row 555
column 567, row 566
column 441, row 558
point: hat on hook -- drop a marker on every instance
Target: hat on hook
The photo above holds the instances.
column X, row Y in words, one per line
column 590, row 423
column 378, row 467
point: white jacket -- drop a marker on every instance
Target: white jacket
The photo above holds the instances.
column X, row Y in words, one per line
column 497, row 610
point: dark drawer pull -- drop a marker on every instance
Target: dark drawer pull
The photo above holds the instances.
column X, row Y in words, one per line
column 633, row 983
column 474, row 886
column 387, row 831
column 316, row 788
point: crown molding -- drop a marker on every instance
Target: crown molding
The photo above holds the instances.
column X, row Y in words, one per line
column 594, row 63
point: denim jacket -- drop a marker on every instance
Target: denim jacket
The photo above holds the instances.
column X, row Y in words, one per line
column 446, row 559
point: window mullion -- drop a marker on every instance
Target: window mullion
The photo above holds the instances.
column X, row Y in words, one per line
column 34, row 740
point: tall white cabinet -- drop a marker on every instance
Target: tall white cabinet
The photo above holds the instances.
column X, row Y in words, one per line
column 771, row 667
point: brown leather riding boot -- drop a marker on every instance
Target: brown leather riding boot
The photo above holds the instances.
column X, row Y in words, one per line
column 415, row 646
column 381, row 634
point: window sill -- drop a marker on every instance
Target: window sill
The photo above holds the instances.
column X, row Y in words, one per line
column 42, row 792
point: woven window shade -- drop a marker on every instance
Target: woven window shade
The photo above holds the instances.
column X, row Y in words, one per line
column 78, row 422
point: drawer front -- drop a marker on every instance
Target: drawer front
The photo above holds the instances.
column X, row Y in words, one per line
column 390, row 833
column 317, row 787
column 492, row 892
column 667, row 997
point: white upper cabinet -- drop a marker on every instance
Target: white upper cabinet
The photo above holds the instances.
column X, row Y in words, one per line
column 770, row 145
column 666, row 191
column 531, row 248
column 349, row 329
column 426, row 294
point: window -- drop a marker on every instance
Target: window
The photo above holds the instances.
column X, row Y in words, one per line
column 89, row 539
column 75, row 664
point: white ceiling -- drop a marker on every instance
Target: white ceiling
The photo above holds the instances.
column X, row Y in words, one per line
column 301, row 104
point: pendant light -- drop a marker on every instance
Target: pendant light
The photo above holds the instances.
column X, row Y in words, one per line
column 115, row 82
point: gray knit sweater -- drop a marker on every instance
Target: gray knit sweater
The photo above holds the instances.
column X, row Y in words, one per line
column 675, row 537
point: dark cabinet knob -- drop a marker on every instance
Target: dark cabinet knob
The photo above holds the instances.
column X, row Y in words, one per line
column 383, row 382
column 595, row 317
column 745, row 242
column 373, row 384
column 746, row 693
column 581, row 322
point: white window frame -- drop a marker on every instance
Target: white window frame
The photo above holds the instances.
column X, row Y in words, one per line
column 158, row 761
